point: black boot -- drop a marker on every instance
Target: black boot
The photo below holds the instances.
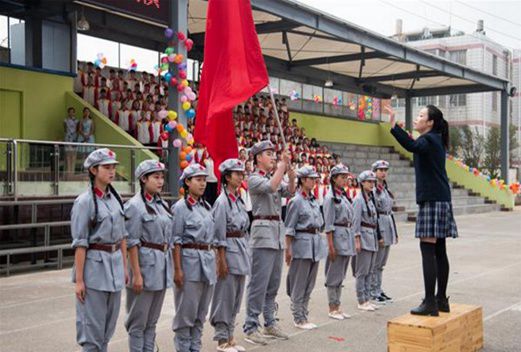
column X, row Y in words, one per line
column 428, row 307
column 443, row 304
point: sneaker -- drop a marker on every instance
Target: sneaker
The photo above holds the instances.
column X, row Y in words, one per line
column 366, row 307
column 387, row 298
column 336, row 315
column 379, row 300
column 275, row 332
column 345, row 315
column 234, row 344
column 256, row 338
column 304, row 326
column 315, row 326
column 374, row 305
column 226, row 347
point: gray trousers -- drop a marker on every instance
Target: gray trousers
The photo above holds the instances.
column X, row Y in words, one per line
column 96, row 319
column 364, row 264
column 143, row 312
column 335, row 275
column 226, row 303
column 376, row 275
column 266, row 273
column 300, row 282
column 191, row 306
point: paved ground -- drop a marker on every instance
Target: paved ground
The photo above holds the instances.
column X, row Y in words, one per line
column 37, row 310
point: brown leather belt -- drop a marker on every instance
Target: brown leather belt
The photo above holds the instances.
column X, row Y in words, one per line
column 234, row 234
column 267, row 217
column 343, row 224
column 163, row 247
column 365, row 224
column 310, row 230
column 198, row 246
column 385, row 213
column 106, row 247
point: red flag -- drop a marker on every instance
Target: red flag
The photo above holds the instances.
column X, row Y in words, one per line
column 233, row 70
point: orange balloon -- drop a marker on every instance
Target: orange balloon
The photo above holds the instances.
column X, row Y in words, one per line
column 188, row 150
column 180, row 127
column 184, row 164
column 182, row 156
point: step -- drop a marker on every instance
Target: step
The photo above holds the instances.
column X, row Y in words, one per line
column 371, row 156
column 410, row 204
column 353, row 147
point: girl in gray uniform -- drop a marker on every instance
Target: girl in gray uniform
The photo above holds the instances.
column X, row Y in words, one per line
column 149, row 227
column 233, row 262
column 305, row 247
column 338, row 219
column 194, row 260
column 366, row 239
column 384, row 201
column 99, row 238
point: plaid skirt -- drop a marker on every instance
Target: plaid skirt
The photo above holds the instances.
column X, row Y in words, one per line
column 436, row 219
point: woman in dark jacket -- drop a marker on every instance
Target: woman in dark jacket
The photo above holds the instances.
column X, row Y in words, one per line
column 435, row 220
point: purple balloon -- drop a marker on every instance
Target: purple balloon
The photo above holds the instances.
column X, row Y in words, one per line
column 169, row 33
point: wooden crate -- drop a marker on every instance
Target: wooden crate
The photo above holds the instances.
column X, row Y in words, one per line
column 461, row 330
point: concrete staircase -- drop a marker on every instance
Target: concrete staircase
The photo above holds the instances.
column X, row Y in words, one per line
column 401, row 180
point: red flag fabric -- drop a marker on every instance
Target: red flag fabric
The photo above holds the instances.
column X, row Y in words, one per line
column 233, row 70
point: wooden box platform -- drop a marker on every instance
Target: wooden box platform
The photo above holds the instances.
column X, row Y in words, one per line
column 457, row 331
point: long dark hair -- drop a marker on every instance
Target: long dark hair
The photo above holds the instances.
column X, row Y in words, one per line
column 224, row 184
column 187, row 192
column 440, row 125
column 149, row 209
column 332, row 182
column 110, row 188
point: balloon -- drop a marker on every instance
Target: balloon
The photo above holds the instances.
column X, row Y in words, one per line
column 183, row 164
column 188, row 150
column 187, row 90
column 189, row 43
column 178, row 58
column 184, row 98
column 164, row 60
column 190, row 141
column 191, row 96
column 171, row 57
column 168, row 128
column 188, row 157
column 172, row 124
column 180, row 87
column 177, row 143
column 169, row 33
column 168, row 76
column 172, row 115
column 186, row 105
column 182, row 155
column 182, row 74
column 162, row 114
column 164, row 136
column 180, row 127
column 181, row 36
column 189, row 136
column 182, row 66
column 184, row 83
column 169, row 50
column 190, row 113
column 164, row 67
column 183, row 133
column 173, row 82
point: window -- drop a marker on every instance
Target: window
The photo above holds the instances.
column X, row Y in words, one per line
column 494, row 101
column 458, row 100
column 458, row 56
column 423, row 101
column 494, row 65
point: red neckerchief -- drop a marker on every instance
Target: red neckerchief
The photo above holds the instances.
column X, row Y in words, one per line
column 148, row 197
column 99, row 192
column 232, row 197
column 191, row 200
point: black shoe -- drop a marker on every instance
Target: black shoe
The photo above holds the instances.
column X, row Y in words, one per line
column 428, row 307
column 387, row 298
column 443, row 304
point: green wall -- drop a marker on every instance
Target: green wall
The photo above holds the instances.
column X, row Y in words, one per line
column 32, row 104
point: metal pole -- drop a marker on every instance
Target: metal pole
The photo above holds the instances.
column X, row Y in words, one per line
column 504, row 136
column 56, row 169
column 408, row 113
column 178, row 23
column 277, row 116
column 9, row 168
column 15, row 170
column 132, row 167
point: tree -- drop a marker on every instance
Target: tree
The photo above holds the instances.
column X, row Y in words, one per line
column 492, row 162
column 472, row 145
column 454, row 141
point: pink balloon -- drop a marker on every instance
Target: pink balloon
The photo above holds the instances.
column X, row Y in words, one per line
column 171, row 58
column 187, row 90
column 183, row 98
column 191, row 96
column 182, row 74
column 162, row 114
column 172, row 124
column 177, row 143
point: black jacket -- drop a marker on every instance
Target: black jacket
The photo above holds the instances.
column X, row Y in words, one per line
column 432, row 183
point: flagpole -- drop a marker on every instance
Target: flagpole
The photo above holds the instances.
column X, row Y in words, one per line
column 277, row 117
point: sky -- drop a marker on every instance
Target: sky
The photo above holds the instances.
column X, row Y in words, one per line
column 502, row 18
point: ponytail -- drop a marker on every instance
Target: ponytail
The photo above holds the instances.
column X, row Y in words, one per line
column 94, row 221
column 440, row 124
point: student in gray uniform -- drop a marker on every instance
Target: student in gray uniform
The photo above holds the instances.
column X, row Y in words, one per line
column 267, row 240
column 338, row 219
column 149, row 227
column 194, row 260
column 99, row 239
column 305, row 247
column 384, row 201
column 233, row 262
column 366, row 239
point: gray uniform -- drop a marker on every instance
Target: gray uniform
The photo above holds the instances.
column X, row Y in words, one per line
column 230, row 216
column 103, row 272
column 338, row 218
column 365, row 219
column 156, row 267
column 384, row 206
column 307, row 249
column 267, row 243
column 192, row 300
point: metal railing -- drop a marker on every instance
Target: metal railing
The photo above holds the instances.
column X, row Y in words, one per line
column 32, row 168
